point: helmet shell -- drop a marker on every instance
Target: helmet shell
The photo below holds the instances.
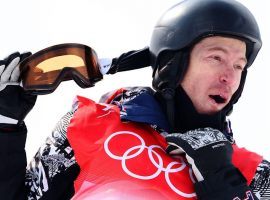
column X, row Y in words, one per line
column 191, row 20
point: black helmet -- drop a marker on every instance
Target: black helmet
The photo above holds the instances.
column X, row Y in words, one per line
column 188, row 22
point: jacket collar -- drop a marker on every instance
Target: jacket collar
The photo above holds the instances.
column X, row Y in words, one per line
column 140, row 105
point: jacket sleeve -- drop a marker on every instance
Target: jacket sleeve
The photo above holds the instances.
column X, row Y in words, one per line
column 52, row 171
column 49, row 175
column 260, row 184
column 13, row 161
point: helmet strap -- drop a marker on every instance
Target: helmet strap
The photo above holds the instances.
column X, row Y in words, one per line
column 168, row 95
column 166, row 79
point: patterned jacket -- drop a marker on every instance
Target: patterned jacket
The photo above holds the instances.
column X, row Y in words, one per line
column 66, row 166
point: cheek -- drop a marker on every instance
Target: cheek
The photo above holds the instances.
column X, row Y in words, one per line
column 237, row 83
column 194, row 85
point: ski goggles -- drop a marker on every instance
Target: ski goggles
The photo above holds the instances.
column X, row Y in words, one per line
column 42, row 72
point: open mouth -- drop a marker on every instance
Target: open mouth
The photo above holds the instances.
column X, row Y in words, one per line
column 218, row 99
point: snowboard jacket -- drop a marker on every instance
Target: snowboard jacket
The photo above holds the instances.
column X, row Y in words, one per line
column 115, row 148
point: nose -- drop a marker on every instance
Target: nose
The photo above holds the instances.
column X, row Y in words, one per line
column 228, row 76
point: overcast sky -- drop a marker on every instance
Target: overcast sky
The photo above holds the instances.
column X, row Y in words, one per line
column 111, row 28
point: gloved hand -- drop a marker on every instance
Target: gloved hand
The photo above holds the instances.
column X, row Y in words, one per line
column 15, row 103
column 210, row 155
column 207, row 150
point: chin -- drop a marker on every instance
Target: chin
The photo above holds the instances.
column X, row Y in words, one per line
column 209, row 112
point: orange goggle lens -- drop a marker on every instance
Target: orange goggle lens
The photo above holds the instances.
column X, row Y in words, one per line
column 42, row 72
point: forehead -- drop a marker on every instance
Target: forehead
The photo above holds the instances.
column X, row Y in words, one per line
column 226, row 43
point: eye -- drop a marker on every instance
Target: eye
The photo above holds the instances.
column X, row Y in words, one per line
column 239, row 67
column 217, row 58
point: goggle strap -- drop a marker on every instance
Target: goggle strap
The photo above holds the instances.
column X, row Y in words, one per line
column 131, row 60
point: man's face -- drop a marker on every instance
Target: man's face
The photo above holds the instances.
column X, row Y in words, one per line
column 214, row 73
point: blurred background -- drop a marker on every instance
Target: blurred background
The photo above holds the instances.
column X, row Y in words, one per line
column 112, row 28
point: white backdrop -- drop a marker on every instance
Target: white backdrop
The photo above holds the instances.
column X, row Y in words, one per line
column 111, row 28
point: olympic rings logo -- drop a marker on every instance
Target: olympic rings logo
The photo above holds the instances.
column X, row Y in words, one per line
column 159, row 165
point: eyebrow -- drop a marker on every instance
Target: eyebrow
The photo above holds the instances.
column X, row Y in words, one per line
column 216, row 48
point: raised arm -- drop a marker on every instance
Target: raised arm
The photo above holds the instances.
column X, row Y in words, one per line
column 14, row 106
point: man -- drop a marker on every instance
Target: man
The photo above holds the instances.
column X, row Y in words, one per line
column 200, row 52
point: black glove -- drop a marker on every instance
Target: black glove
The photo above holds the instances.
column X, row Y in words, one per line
column 210, row 153
column 15, row 103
